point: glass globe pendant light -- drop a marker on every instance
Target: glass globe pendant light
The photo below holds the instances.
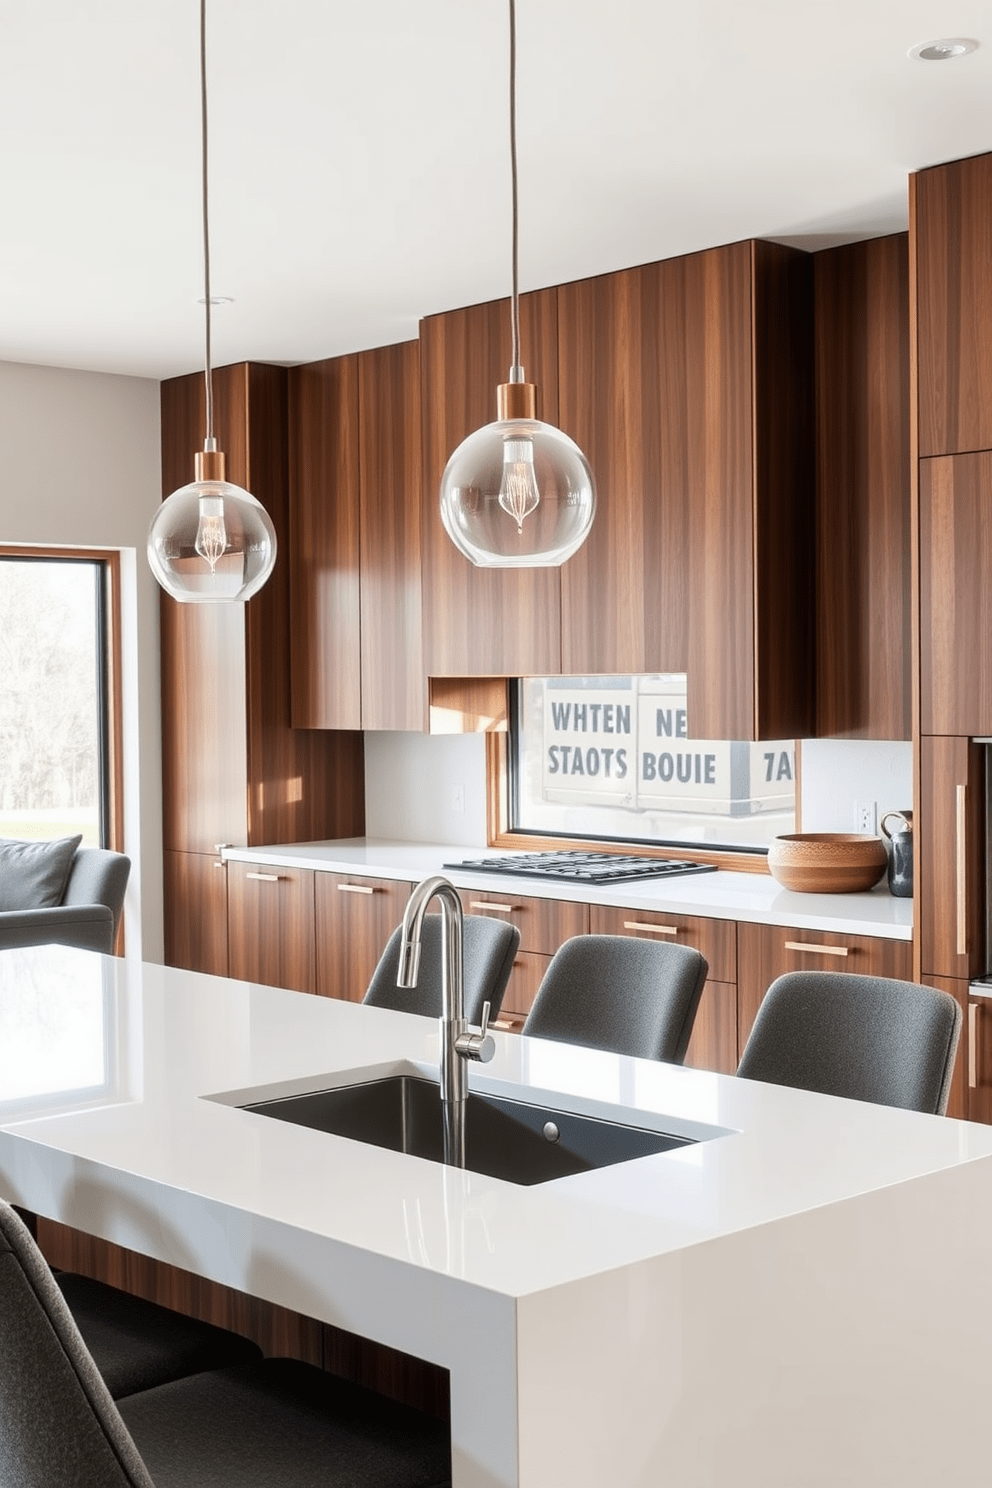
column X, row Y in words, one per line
column 518, row 493
column 210, row 540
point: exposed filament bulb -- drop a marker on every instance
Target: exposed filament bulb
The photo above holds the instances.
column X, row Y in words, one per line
column 518, row 493
column 211, row 534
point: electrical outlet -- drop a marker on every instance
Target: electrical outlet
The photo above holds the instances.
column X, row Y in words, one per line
column 866, row 817
column 458, row 799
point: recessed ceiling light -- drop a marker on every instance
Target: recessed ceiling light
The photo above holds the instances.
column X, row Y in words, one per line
column 943, row 50
column 217, row 300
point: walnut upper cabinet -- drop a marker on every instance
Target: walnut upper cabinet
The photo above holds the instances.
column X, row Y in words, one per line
column 951, row 218
column 863, row 568
column 355, row 473
column 955, row 594
column 483, row 621
column 233, row 769
column 688, row 384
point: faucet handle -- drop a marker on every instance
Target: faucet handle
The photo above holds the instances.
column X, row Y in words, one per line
column 477, row 1045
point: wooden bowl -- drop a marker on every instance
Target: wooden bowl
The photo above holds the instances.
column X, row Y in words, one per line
column 827, row 862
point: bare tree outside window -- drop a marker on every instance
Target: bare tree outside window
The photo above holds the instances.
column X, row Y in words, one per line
column 51, row 699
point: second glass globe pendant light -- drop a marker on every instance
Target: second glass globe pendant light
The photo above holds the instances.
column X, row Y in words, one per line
column 518, row 493
column 210, row 540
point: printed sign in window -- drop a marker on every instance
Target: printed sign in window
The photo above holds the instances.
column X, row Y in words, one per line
column 613, row 755
column 630, row 745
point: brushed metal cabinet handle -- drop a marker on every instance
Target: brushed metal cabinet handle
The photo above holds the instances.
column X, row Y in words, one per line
column 265, row 877
column 654, row 929
column 487, row 904
column 962, row 871
column 355, row 889
column 973, row 1044
column 816, row 950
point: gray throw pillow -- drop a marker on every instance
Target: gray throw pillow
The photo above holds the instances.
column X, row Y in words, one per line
column 33, row 875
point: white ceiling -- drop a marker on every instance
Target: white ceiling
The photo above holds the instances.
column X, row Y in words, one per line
column 359, row 155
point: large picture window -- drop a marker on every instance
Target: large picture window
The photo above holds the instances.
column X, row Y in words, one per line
column 611, row 758
column 55, row 736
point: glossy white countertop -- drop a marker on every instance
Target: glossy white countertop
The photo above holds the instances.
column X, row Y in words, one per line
column 687, row 1319
column 157, row 1110
column 754, row 897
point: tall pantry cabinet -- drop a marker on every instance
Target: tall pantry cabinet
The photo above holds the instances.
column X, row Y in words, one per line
column 951, row 258
column 233, row 769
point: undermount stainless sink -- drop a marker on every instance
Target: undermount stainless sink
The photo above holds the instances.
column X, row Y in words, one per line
column 508, row 1139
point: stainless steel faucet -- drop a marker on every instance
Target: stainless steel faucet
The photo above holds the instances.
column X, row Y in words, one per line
column 459, row 1043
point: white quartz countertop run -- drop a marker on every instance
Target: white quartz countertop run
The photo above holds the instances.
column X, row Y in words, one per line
column 598, row 1328
column 754, row 897
column 137, row 1070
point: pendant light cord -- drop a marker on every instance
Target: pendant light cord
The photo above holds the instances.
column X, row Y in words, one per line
column 515, row 372
column 206, row 223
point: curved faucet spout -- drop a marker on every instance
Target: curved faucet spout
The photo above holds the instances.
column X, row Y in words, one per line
column 454, row 1077
column 458, row 1045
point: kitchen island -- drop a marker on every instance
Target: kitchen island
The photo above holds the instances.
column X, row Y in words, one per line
column 799, row 1296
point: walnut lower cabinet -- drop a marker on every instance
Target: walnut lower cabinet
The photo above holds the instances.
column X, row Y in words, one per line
column 196, row 911
column 544, row 925
column 765, row 952
column 355, row 916
column 713, row 1044
column 270, row 925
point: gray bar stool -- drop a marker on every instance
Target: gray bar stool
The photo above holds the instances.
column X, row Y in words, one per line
column 489, row 948
column 275, row 1424
column 615, row 992
column 868, row 1038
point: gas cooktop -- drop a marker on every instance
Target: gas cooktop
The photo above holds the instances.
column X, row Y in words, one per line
column 583, row 867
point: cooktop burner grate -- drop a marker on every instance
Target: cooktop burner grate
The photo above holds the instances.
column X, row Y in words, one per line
column 583, row 867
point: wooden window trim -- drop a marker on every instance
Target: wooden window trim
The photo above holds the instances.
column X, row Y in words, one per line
column 499, row 833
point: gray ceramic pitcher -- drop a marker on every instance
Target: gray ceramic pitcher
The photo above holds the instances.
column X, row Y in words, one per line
column 901, row 853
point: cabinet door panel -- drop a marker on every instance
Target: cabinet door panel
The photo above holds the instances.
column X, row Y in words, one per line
column 713, row 1044
column 765, row 952
column 971, row 1084
column 270, row 926
column 622, row 346
column 483, row 621
column 863, row 630
column 949, row 867
column 544, row 924
column 955, row 594
column 525, row 978
column 716, row 939
column 324, row 552
column 394, row 682
column 953, row 225
column 355, row 916
column 195, row 912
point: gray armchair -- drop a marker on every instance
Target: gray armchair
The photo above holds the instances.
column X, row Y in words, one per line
column 89, row 911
